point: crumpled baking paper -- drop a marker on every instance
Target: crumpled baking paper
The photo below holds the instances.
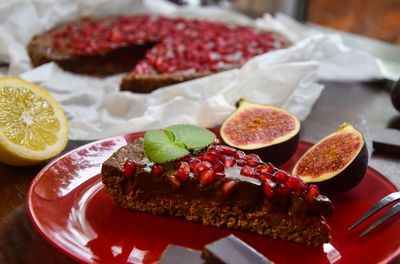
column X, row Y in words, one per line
column 95, row 107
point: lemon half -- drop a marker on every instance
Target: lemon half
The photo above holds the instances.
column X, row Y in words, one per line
column 33, row 127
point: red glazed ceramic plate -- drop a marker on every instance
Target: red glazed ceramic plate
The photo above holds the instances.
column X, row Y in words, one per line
column 70, row 208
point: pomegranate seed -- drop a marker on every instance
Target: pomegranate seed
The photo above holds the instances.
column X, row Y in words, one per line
column 228, row 161
column 57, row 44
column 217, row 141
column 202, row 157
column 241, row 162
column 207, row 177
column 253, row 163
column 228, row 187
column 281, row 176
column 202, row 167
column 296, row 184
column 215, row 149
column 218, row 166
column 248, row 171
column 269, row 188
column 228, row 150
column 219, row 175
column 254, row 157
column 187, row 158
column 129, row 169
column 175, row 181
column 265, row 175
column 157, row 169
column 268, row 167
column 183, row 171
column 282, row 190
column 210, row 157
column 312, row 192
column 116, row 37
column 240, row 154
column 193, row 162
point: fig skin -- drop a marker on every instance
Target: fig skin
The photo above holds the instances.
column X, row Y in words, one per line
column 350, row 176
column 279, row 153
column 279, row 150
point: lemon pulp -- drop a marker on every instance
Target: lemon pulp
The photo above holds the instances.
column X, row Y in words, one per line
column 33, row 127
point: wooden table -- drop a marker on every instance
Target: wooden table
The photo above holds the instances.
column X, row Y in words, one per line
column 367, row 105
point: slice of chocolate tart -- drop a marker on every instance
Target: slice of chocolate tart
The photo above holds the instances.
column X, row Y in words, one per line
column 222, row 187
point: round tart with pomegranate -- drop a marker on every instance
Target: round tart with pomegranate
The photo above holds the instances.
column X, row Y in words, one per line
column 183, row 171
column 157, row 50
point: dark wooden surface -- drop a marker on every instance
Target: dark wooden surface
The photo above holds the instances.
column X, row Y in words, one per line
column 367, row 105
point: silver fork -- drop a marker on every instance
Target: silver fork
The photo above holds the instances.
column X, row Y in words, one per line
column 379, row 205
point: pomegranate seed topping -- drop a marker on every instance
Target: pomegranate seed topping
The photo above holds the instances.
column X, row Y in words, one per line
column 175, row 181
column 241, row 162
column 228, row 161
column 202, row 157
column 129, row 169
column 268, row 167
column 281, row 176
column 202, row 167
column 116, row 37
column 187, row 158
column 219, row 175
column 312, row 192
column 207, row 177
column 218, row 166
column 253, row 163
column 193, row 162
column 157, row 169
column 228, row 150
column 254, row 157
column 296, row 184
column 240, row 154
column 183, row 171
column 198, row 45
column 269, row 188
column 282, row 190
column 215, row 149
column 228, row 187
column 265, row 175
column 248, row 171
column 210, row 157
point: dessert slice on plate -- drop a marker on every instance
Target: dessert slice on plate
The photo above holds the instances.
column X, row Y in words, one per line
column 184, row 171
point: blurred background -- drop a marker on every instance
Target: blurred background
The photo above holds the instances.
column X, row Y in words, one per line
column 370, row 18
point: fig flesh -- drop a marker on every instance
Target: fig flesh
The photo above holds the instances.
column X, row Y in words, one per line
column 337, row 163
column 268, row 131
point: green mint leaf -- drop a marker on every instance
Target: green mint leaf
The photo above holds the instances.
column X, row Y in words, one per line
column 159, row 147
column 192, row 136
column 170, row 135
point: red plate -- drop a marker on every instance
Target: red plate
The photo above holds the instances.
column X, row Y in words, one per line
column 70, row 208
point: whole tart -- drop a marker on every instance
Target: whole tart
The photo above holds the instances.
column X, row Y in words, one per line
column 155, row 50
column 222, row 187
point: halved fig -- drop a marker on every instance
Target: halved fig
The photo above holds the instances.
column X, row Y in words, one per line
column 268, row 131
column 337, row 162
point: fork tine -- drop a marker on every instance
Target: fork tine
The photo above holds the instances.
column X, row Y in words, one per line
column 379, row 205
column 392, row 211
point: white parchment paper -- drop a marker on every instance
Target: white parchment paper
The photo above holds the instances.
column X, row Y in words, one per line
column 95, row 107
